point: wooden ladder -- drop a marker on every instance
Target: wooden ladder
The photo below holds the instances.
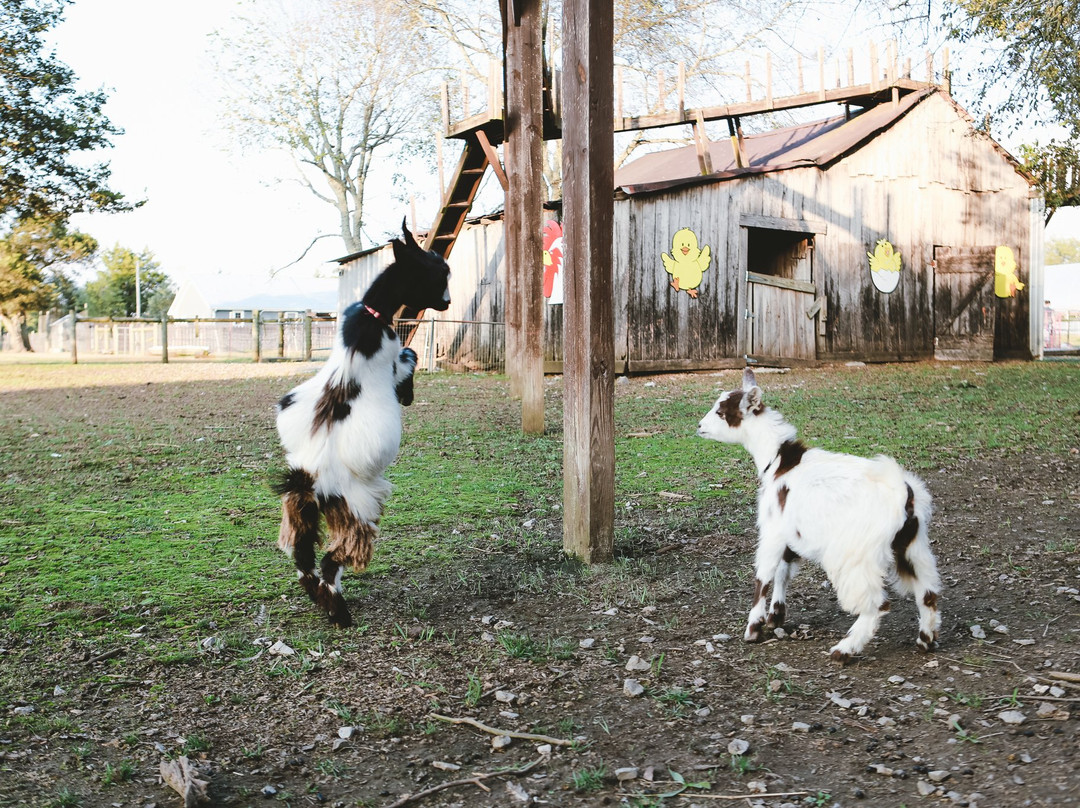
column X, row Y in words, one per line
column 478, row 154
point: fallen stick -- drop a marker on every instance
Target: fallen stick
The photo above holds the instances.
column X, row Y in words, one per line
column 736, row 797
column 475, row 780
column 183, row 778
column 524, row 736
column 1065, row 677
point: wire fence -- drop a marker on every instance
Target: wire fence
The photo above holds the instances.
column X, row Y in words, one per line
column 1061, row 329
column 452, row 345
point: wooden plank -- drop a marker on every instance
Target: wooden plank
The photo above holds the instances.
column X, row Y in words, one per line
column 524, row 200
column 859, row 95
column 588, row 366
column 964, row 304
column 779, row 223
column 683, row 365
column 781, row 283
column 493, row 158
column 780, row 325
column 701, row 141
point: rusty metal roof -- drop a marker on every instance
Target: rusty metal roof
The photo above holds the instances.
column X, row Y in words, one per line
column 812, row 144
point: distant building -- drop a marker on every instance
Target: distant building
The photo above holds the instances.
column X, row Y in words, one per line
column 1062, row 290
column 895, row 231
column 224, row 297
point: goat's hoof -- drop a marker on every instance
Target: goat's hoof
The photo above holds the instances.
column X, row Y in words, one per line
column 840, row 656
column 776, row 618
column 341, row 619
column 754, row 631
column 926, row 643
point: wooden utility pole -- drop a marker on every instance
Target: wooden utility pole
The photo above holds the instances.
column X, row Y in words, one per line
column 524, row 138
column 588, row 202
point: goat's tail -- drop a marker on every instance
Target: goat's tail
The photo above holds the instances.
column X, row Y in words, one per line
column 351, row 541
column 299, row 534
column 911, row 544
column 916, row 569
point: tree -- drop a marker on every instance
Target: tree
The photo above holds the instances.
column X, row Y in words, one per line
column 46, row 127
column 1063, row 251
column 332, row 84
column 112, row 293
column 1030, row 75
column 650, row 39
column 34, row 261
column 1031, row 59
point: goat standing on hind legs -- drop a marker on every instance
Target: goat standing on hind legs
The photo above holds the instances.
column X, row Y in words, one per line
column 864, row 520
column 341, row 429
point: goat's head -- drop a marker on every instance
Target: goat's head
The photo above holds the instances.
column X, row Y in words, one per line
column 726, row 421
column 423, row 275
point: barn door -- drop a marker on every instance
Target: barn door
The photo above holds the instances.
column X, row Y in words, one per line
column 964, row 304
column 782, row 295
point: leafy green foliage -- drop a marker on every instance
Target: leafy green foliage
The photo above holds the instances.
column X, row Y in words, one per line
column 34, row 259
column 46, row 124
column 1056, row 169
column 113, row 292
column 1063, row 251
column 1025, row 58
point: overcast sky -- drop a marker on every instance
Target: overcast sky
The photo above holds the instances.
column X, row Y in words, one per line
column 208, row 209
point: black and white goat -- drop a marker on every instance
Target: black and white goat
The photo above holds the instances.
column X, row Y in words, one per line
column 342, row 428
column 863, row 520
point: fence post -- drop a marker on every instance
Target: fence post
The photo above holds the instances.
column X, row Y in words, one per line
column 256, row 336
column 165, row 339
column 307, row 335
column 281, row 335
column 431, row 346
column 74, row 339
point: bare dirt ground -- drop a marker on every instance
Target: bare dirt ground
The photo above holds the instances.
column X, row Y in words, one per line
column 990, row 719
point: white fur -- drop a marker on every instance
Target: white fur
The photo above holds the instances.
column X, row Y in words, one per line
column 837, row 510
column 350, row 458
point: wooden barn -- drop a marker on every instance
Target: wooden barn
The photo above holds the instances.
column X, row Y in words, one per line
column 894, row 231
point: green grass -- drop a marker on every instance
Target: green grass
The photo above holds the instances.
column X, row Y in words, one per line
column 125, row 503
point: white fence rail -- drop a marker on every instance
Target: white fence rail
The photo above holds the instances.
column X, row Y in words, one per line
column 455, row 345
column 1061, row 329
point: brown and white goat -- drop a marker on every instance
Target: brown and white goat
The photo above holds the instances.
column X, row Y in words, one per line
column 341, row 429
column 863, row 520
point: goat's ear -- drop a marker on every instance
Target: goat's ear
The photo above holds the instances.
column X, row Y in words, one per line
column 409, row 240
column 749, row 380
column 752, row 397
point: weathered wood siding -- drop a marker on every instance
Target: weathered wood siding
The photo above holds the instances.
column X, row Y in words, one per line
column 930, row 181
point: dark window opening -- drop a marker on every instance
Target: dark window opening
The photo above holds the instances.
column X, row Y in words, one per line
column 779, row 253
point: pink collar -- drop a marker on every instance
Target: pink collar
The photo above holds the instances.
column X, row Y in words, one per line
column 374, row 313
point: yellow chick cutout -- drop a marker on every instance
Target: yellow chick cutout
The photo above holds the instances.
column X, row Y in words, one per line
column 687, row 264
column 1006, row 284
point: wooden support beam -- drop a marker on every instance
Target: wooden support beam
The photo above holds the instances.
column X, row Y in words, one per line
column 524, row 137
column 821, row 73
column 588, row 202
column 735, row 132
column 701, row 142
column 768, row 80
column 681, row 88
column 493, row 158
column 874, row 78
